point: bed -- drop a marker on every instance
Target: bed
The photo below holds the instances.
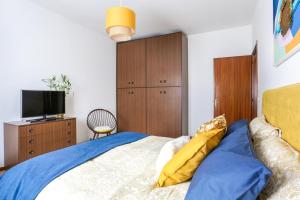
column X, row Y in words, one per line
column 121, row 166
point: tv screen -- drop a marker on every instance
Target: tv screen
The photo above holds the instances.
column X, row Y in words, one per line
column 42, row 103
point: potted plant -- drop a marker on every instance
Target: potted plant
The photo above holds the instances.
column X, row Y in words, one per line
column 61, row 83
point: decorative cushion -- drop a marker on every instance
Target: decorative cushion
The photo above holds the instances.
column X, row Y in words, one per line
column 184, row 163
column 260, row 129
column 102, row 129
column 231, row 171
column 217, row 123
column 168, row 151
column 284, row 161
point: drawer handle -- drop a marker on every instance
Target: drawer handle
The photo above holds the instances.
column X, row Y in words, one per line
column 165, row 92
column 129, row 83
column 30, row 141
column 69, row 141
column 31, row 152
column 131, row 92
column 165, row 81
column 132, row 82
column 160, row 81
column 30, row 130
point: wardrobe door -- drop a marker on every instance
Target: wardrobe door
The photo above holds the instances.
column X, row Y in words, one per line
column 164, row 111
column 233, row 87
column 164, row 60
column 131, row 64
column 131, row 108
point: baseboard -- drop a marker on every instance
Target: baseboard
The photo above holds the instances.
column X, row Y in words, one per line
column 4, row 168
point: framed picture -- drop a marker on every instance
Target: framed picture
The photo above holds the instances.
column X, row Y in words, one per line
column 286, row 20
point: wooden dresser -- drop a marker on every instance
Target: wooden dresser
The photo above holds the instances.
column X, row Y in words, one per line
column 23, row 140
column 152, row 85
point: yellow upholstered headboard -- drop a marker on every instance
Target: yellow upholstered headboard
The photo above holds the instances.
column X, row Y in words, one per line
column 281, row 108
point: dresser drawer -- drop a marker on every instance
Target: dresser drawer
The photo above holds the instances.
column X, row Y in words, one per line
column 70, row 128
column 70, row 124
column 26, row 131
column 30, row 147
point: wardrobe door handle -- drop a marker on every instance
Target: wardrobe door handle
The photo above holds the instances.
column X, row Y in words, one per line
column 69, row 141
column 31, row 152
column 165, row 92
column 165, row 81
column 30, row 130
column 30, row 141
column 160, row 81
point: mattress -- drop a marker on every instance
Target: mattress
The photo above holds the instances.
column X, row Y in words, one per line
column 123, row 173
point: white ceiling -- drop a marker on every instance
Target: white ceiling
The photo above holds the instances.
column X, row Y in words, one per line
column 160, row 16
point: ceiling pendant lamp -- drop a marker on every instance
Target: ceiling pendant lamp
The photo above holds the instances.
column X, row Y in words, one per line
column 120, row 23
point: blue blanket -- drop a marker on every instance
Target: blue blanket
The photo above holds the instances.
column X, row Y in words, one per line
column 27, row 180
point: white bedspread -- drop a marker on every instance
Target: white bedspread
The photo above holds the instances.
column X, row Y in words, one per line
column 123, row 173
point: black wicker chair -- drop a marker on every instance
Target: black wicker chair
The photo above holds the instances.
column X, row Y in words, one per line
column 101, row 121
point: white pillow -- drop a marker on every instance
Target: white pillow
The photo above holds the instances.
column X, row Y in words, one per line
column 168, row 151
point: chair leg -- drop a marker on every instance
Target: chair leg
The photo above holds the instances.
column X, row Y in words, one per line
column 94, row 136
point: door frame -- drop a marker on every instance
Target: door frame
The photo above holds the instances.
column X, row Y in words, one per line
column 254, row 78
column 254, row 83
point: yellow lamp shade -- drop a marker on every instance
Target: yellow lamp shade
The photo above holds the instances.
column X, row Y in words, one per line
column 120, row 23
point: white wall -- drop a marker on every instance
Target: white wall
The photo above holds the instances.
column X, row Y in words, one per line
column 203, row 48
column 268, row 75
column 36, row 43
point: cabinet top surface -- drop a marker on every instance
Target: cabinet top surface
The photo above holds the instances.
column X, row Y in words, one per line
column 25, row 123
column 154, row 36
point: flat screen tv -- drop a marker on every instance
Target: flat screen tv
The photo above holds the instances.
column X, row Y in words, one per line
column 42, row 103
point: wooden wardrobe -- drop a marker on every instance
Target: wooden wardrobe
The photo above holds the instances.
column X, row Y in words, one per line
column 152, row 89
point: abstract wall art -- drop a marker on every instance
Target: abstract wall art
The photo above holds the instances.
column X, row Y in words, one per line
column 286, row 20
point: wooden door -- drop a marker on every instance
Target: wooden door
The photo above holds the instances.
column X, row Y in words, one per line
column 131, row 64
column 164, row 111
column 131, row 108
column 164, row 60
column 233, row 87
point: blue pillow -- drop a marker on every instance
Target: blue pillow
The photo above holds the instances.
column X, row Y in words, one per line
column 231, row 171
column 236, row 125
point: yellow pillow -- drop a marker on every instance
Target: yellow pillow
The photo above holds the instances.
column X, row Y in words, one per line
column 218, row 122
column 185, row 162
